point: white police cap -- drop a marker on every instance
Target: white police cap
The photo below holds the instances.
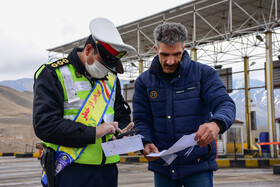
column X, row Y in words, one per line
column 106, row 32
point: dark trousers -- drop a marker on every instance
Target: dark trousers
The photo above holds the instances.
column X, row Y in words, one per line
column 202, row 179
column 79, row 175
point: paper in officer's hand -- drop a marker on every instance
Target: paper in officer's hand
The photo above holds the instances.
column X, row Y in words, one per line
column 121, row 146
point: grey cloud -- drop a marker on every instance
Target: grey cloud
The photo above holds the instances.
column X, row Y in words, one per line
column 20, row 59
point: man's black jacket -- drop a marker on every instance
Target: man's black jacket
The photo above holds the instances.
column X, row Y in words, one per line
column 48, row 109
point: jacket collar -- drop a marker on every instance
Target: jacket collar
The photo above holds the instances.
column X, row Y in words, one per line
column 75, row 60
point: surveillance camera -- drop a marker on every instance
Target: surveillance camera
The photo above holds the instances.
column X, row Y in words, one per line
column 218, row 66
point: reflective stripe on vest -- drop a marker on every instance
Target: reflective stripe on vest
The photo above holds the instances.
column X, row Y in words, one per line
column 69, row 84
column 93, row 153
column 109, row 115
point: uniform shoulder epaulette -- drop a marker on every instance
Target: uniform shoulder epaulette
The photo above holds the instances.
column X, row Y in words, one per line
column 58, row 63
column 52, row 65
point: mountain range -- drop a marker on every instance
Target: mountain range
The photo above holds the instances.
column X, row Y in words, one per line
column 21, row 95
column 259, row 101
column 16, row 130
column 25, row 84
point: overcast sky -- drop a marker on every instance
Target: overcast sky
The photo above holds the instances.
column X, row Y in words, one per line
column 29, row 27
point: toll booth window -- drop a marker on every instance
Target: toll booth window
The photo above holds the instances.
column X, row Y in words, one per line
column 234, row 134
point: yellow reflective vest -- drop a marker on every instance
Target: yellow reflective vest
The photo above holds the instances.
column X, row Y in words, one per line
column 76, row 88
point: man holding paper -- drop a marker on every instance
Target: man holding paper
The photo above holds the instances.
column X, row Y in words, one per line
column 78, row 105
column 174, row 98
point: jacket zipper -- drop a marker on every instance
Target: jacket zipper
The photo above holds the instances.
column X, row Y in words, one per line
column 185, row 90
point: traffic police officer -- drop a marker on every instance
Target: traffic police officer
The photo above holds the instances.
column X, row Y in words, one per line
column 78, row 105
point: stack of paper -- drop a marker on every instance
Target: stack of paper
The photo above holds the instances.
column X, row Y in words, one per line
column 168, row 155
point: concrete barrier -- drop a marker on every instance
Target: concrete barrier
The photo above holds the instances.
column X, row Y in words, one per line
column 276, row 169
column 24, row 155
column 21, row 154
column 222, row 163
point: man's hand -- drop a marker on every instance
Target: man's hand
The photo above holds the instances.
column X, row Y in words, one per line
column 107, row 128
column 150, row 148
column 207, row 133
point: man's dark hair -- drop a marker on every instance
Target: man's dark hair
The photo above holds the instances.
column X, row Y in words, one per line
column 91, row 42
column 170, row 33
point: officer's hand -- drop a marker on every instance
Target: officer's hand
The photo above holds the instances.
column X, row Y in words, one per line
column 150, row 148
column 207, row 133
column 107, row 128
column 128, row 127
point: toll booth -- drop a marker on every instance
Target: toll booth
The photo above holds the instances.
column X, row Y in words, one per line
column 264, row 137
column 127, row 92
column 231, row 140
column 222, row 144
column 277, row 120
column 277, row 127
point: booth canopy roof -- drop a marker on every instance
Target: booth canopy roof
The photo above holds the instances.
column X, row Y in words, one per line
column 212, row 22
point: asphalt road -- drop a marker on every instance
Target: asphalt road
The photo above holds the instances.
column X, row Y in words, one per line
column 16, row 172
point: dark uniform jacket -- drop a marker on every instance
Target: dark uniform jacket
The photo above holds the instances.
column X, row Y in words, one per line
column 164, row 111
column 48, row 121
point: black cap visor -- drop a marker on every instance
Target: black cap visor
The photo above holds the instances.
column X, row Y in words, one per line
column 110, row 61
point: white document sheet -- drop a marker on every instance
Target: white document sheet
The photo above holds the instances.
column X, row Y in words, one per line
column 121, row 146
column 168, row 155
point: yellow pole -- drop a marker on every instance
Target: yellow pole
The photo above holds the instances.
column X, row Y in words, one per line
column 247, row 102
column 141, row 67
column 270, row 95
column 194, row 54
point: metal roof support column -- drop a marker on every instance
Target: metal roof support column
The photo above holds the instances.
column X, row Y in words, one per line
column 194, row 54
column 138, row 40
column 247, row 102
column 141, row 67
column 230, row 16
column 276, row 16
column 194, row 49
column 270, row 94
column 138, row 51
